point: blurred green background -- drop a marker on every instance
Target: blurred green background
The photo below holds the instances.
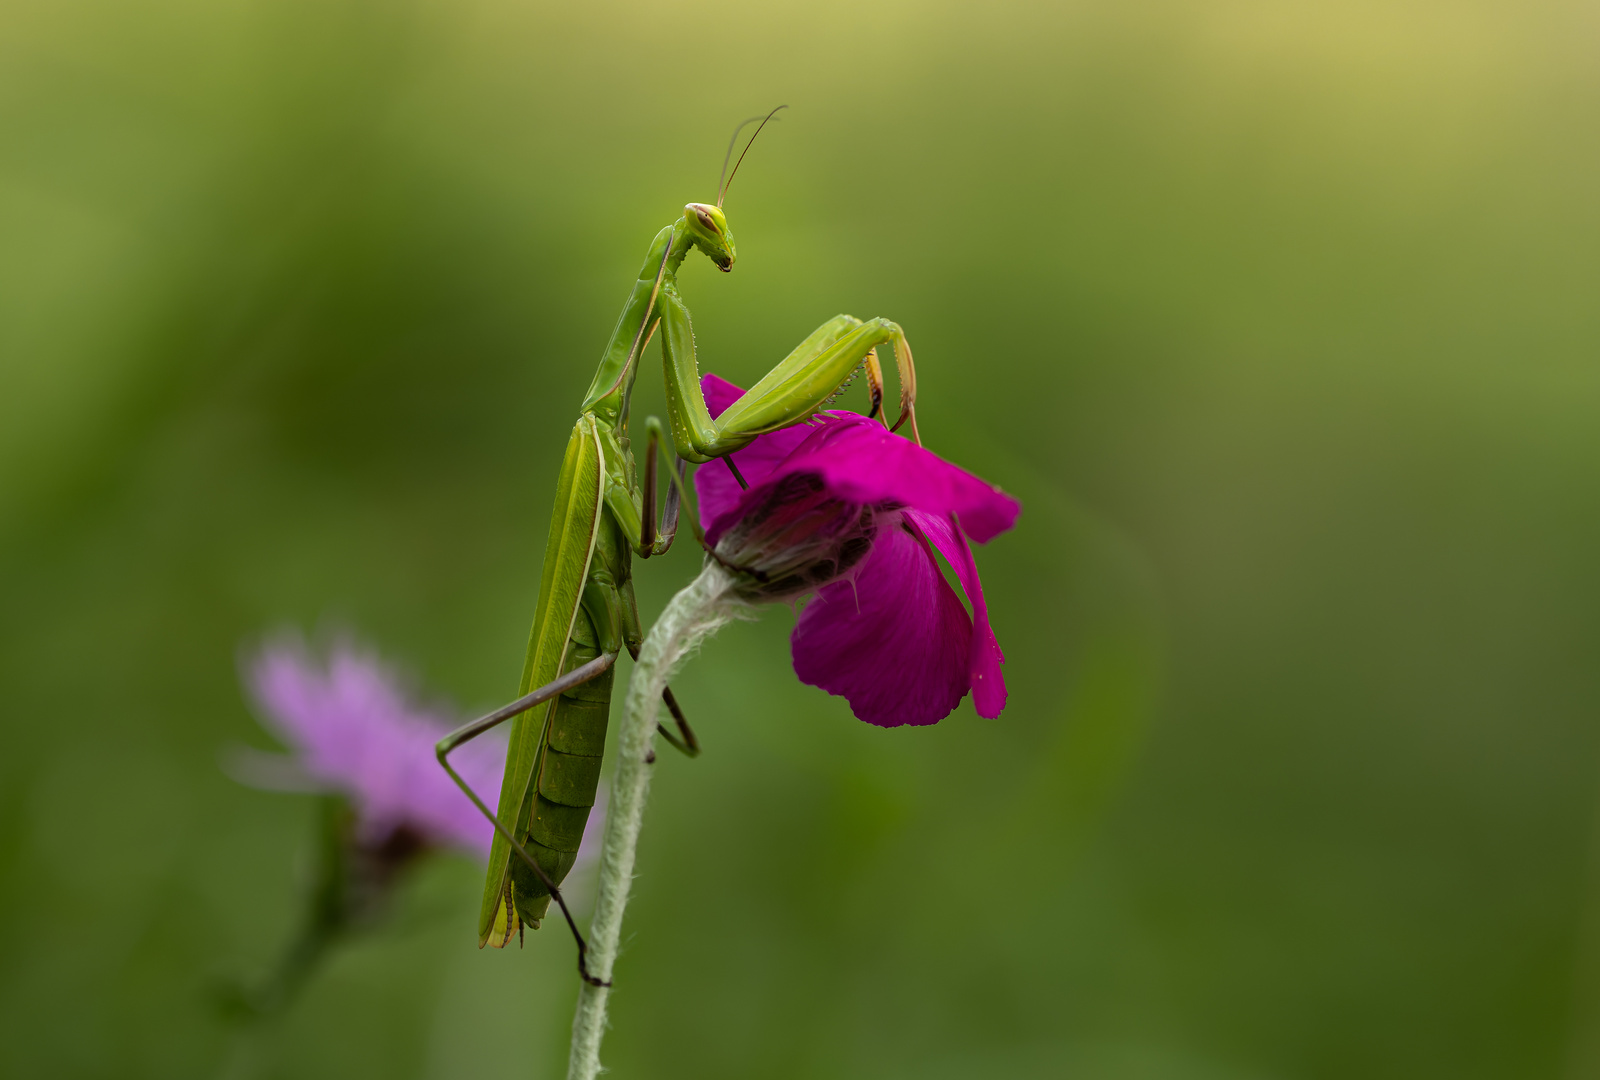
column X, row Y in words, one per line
column 1280, row 318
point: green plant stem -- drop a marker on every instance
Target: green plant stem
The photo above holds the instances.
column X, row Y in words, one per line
column 693, row 615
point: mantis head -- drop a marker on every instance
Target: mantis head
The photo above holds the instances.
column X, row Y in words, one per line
column 708, row 228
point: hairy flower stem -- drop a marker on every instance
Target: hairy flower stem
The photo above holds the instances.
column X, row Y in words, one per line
column 693, row 615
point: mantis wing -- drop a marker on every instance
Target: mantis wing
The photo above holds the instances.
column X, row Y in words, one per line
column 574, row 523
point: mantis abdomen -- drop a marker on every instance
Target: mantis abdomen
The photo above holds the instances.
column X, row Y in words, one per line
column 553, row 763
column 566, row 777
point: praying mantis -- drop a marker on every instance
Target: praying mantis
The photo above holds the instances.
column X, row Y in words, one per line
column 604, row 514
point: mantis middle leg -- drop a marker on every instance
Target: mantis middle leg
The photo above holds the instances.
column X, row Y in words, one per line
column 634, row 512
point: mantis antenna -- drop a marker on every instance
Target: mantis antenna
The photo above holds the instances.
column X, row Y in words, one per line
column 722, row 188
column 732, row 139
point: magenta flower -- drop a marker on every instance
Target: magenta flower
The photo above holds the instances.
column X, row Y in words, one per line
column 355, row 730
column 843, row 507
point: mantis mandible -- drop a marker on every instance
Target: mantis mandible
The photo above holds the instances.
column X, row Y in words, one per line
column 605, row 513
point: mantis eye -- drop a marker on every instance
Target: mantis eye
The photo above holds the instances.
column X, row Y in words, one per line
column 705, row 219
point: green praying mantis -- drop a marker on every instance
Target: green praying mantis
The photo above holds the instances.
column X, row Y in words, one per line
column 605, row 513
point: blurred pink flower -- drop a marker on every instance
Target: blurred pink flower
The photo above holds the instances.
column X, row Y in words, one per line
column 359, row 738
column 354, row 729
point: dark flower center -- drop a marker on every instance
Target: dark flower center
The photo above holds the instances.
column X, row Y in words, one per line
column 797, row 538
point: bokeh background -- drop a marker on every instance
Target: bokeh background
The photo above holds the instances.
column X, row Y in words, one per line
column 1280, row 318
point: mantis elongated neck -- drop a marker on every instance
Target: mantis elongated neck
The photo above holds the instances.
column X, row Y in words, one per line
column 613, row 381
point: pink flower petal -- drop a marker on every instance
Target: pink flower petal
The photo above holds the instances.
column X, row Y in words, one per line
column 895, row 643
column 714, row 485
column 988, row 684
column 861, row 461
column 895, row 640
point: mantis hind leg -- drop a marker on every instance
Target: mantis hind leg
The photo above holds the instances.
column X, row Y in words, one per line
column 467, row 732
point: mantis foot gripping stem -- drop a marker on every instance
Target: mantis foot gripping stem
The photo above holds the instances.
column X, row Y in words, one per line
column 689, row 745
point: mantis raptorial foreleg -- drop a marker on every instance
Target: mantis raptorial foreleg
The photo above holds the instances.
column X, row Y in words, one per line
column 467, row 732
column 802, row 376
column 804, row 382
